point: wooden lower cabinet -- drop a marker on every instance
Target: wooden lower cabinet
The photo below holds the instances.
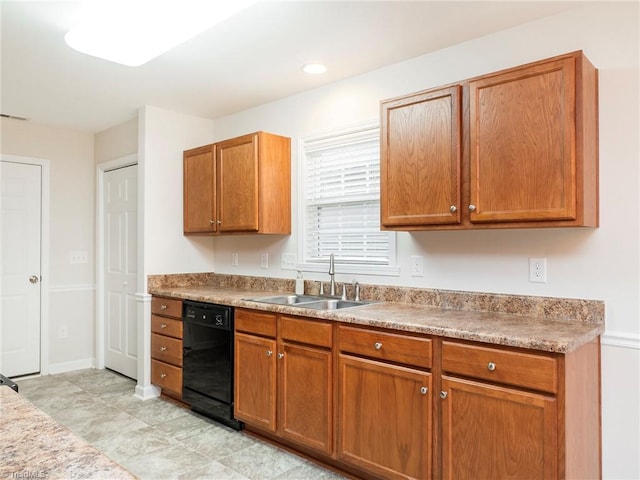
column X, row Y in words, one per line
column 385, row 418
column 255, row 381
column 284, row 381
column 166, row 345
column 384, row 404
column 515, row 413
column 306, row 400
column 497, row 432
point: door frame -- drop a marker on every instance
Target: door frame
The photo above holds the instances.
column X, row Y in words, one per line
column 44, row 251
column 101, row 169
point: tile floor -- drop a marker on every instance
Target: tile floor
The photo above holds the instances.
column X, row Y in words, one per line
column 155, row 439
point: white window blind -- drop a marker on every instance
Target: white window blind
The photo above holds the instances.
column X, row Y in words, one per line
column 342, row 198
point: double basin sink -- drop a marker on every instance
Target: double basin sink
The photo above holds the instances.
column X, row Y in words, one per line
column 315, row 302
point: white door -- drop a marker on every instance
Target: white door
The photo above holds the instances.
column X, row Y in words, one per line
column 20, row 240
column 120, row 242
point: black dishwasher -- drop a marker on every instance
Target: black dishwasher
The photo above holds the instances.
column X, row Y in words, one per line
column 207, row 368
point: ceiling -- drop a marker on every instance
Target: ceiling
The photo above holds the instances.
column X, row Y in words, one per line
column 252, row 58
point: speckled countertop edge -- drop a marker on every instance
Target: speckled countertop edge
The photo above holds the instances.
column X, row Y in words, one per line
column 539, row 323
column 34, row 445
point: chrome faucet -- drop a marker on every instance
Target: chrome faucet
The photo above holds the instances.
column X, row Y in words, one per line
column 332, row 273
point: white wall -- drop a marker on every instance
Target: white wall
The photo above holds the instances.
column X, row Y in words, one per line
column 71, row 286
column 164, row 135
column 598, row 263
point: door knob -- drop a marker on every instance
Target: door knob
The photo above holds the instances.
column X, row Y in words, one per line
column 34, row 279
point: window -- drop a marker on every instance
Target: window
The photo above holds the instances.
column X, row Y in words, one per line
column 340, row 175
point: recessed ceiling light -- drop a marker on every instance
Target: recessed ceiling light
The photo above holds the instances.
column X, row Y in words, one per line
column 314, row 68
column 136, row 31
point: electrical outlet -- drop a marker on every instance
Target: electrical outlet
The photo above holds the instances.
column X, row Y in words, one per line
column 264, row 260
column 417, row 266
column 288, row 261
column 538, row 270
column 234, row 259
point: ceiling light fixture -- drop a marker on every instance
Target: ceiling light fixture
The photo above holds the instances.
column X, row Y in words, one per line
column 314, row 68
column 132, row 32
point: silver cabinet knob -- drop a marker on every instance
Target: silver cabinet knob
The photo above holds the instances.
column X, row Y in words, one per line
column 491, row 366
column 424, row 390
column 163, row 349
column 443, row 394
column 34, row 279
column 472, row 208
column 269, row 353
column 163, row 375
column 163, row 325
column 377, row 345
column 453, row 209
column 163, row 307
column 219, row 222
column 281, row 355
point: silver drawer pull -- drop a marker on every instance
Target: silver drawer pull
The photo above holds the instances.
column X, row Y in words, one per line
column 424, row 390
column 269, row 353
column 163, row 375
column 443, row 394
column 163, row 325
column 163, row 349
column 377, row 345
column 491, row 366
column 281, row 355
column 163, row 307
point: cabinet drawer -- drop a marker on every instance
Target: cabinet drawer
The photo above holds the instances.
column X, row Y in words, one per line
column 167, row 377
column 393, row 347
column 260, row 323
column 168, row 307
column 520, row 369
column 166, row 326
column 166, row 349
column 308, row 331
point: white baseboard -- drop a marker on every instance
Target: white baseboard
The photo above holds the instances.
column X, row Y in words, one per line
column 146, row 393
column 70, row 366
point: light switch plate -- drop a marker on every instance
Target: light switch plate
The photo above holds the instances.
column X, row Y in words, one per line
column 417, row 266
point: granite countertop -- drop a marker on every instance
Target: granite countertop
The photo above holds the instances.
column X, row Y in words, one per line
column 33, row 445
column 539, row 323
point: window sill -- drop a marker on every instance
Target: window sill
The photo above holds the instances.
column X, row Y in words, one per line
column 351, row 269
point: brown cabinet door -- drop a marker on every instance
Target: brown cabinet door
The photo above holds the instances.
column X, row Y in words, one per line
column 199, row 195
column 385, row 418
column 255, row 380
column 497, row 432
column 420, row 158
column 237, row 184
column 523, row 144
column 306, row 396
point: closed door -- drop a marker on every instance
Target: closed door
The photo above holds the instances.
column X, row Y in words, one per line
column 120, row 230
column 20, row 237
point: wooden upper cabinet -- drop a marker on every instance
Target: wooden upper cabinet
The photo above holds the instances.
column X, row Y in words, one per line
column 420, row 158
column 529, row 151
column 237, row 184
column 199, row 198
column 240, row 185
column 528, row 159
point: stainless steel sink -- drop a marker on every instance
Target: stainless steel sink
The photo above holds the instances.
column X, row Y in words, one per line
column 334, row 304
column 287, row 299
column 310, row 301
